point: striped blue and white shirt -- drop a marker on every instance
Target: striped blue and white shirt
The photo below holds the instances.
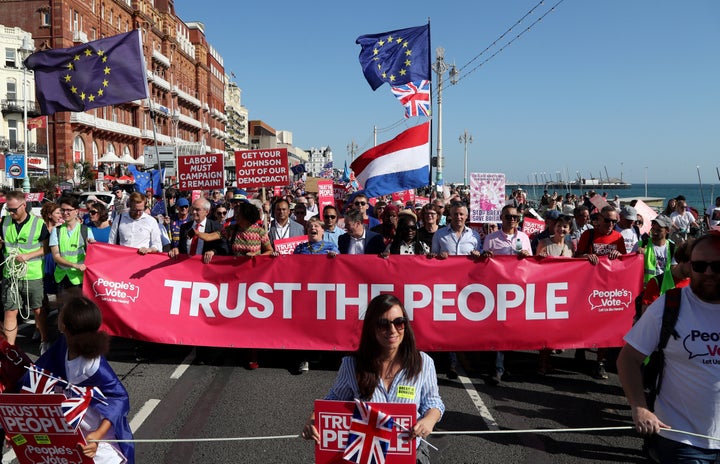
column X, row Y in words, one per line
column 423, row 390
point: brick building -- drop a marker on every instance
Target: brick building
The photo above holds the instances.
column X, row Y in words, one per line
column 186, row 79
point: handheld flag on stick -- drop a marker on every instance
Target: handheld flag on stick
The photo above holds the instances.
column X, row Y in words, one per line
column 370, row 434
column 396, row 57
column 399, row 164
column 99, row 73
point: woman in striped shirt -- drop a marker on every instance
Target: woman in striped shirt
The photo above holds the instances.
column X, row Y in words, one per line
column 388, row 368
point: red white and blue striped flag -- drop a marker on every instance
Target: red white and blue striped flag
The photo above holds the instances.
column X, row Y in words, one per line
column 370, row 435
column 402, row 163
column 415, row 97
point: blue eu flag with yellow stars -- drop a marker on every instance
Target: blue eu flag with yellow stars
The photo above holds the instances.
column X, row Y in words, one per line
column 99, row 73
column 396, row 57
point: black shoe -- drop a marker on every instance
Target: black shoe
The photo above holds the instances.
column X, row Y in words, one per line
column 495, row 378
column 452, row 374
column 600, row 373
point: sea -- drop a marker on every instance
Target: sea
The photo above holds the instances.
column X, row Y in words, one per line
column 698, row 198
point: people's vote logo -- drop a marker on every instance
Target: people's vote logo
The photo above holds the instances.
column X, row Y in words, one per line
column 703, row 343
column 116, row 292
column 618, row 299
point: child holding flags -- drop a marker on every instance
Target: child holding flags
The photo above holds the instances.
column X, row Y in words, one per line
column 78, row 358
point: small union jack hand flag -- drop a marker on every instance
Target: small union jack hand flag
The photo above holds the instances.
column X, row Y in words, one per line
column 41, row 381
column 370, row 434
column 415, row 97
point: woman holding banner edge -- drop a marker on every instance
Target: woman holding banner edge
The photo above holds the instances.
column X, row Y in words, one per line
column 388, row 368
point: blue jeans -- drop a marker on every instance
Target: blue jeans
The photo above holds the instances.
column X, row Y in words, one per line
column 672, row 452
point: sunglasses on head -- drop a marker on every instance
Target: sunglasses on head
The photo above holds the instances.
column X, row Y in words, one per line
column 701, row 266
column 398, row 322
column 609, row 221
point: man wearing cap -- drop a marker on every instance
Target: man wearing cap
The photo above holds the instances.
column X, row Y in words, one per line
column 120, row 202
column 627, row 228
column 659, row 252
column 183, row 216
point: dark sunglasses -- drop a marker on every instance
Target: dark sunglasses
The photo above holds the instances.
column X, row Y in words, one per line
column 12, row 210
column 360, row 203
column 398, row 322
column 183, row 207
column 222, row 213
column 330, row 216
column 93, row 211
column 512, row 217
column 701, row 266
column 610, row 221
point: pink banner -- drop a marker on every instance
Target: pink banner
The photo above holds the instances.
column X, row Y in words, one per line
column 532, row 226
column 286, row 246
column 316, row 302
column 325, row 195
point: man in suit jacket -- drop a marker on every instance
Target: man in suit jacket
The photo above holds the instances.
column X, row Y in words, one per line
column 200, row 222
column 283, row 227
column 358, row 240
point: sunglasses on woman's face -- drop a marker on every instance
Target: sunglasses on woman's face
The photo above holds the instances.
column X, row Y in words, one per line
column 221, row 213
column 398, row 322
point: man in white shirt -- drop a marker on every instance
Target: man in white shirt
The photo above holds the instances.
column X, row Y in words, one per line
column 689, row 399
column 456, row 238
column 136, row 228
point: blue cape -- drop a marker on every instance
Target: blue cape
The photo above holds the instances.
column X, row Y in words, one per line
column 118, row 403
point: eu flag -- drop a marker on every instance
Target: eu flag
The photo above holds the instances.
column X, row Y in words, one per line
column 99, row 73
column 396, row 57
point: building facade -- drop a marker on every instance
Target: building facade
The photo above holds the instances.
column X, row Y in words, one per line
column 186, row 79
column 12, row 103
column 318, row 158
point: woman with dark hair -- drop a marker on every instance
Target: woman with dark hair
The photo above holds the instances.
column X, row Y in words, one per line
column 389, row 224
column 99, row 222
column 78, row 358
column 406, row 239
column 387, row 360
column 247, row 236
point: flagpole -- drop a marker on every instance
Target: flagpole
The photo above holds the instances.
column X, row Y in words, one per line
column 47, row 144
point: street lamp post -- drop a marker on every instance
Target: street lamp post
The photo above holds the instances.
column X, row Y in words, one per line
column 25, row 50
column 466, row 138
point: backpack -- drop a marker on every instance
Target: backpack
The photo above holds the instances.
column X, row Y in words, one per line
column 653, row 368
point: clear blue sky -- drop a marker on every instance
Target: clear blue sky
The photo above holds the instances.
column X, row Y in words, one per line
column 615, row 83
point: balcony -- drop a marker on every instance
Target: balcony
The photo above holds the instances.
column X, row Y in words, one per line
column 16, row 106
column 79, row 37
column 103, row 124
column 160, row 82
column 160, row 58
column 186, row 96
column 19, row 147
column 189, row 121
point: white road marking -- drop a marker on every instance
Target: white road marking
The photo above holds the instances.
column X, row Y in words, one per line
column 477, row 401
column 182, row 367
column 143, row 413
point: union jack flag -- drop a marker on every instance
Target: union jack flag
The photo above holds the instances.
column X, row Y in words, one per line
column 370, row 434
column 41, row 381
column 415, row 97
column 75, row 407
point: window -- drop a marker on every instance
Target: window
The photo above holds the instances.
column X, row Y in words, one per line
column 126, row 151
column 45, row 18
column 10, row 58
column 78, row 149
column 110, row 148
column 95, row 150
column 76, row 21
column 93, row 34
column 12, row 132
column 11, row 88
